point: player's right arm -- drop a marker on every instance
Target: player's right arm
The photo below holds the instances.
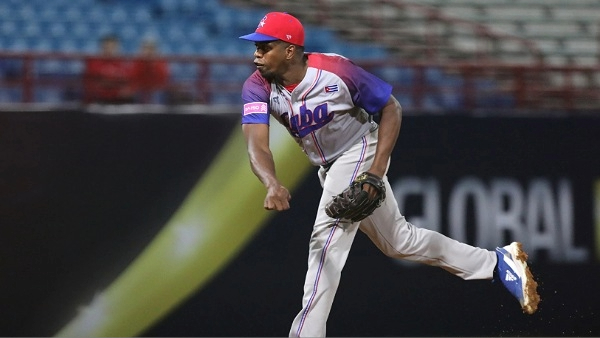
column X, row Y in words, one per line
column 263, row 166
column 255, row 126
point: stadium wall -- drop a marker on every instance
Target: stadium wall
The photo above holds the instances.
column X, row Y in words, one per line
column 82, row 195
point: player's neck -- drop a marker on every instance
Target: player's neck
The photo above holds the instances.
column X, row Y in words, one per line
column 294, row 75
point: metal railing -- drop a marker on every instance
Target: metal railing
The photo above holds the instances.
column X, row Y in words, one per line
column 420, row 86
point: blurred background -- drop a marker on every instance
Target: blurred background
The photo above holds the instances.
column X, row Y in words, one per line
column 112, row 111
column 440, row 55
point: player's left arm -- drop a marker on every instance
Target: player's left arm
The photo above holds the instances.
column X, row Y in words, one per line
column 389, row 128
column 370, row 92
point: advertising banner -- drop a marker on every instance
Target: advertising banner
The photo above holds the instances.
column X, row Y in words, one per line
column 84, row 199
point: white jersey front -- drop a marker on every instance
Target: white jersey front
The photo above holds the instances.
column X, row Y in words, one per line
column 327, row 112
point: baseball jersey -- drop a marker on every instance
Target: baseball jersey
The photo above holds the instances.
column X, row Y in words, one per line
column 327, row 112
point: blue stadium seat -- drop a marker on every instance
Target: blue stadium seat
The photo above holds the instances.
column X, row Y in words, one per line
column 190, row 6
column 224, row 21
column 183, row 48
column 434, row 76
column 98, row 14
column 239, row 73
column 18, row 44
column 11, row 68
column 226, row 98
column 227, row 73
column 371, row 51
column 67, row 45
column 183, row 70
column 42, row 45
column 142, row 14
column 245, row 49
column 57, row 29
column 210, row 6
column 219, row 72
column 396, row 75
column 81, row 29
column 197, row 34
column 342, row 49
column 11, row 95
column 488, row 95
column 103, row 28
column 318, row 39
column 48, row 13
column 117, row 14
column 86, row 45
column 73, row 13
column 48, row 95
column 233, row 47
column 405, row 99
column 175, row 33
column 26, row 12
column 74, row 67
column 31, row 29
column 9, row 28
column 246, row 20
column 432, row 101
column 168, row 6
column 150, row 31
column 208, row 49
column 452, row 95
column 6, row 12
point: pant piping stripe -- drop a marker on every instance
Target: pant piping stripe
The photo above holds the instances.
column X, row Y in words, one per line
column 324, row 252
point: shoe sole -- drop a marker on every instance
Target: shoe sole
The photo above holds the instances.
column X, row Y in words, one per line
column 531, row 298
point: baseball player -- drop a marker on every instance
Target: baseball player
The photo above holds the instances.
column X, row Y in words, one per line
column 327, row 104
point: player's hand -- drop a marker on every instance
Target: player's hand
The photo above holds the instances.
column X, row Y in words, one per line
column 278, row 198
column 371, row 190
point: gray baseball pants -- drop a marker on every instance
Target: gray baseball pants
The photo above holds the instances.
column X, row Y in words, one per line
column 332, row 239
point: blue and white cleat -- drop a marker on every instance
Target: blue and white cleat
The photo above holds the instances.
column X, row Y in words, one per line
column 517, row 278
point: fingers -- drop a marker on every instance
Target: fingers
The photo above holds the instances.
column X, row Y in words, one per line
column 274, row 204
column 278, row 199
column 371, row 190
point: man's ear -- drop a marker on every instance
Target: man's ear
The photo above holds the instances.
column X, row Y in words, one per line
column 290, row 51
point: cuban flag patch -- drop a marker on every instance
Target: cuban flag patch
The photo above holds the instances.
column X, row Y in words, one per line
column 331, row 88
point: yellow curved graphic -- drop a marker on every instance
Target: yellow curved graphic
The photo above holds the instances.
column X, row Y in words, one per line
column 218, row 217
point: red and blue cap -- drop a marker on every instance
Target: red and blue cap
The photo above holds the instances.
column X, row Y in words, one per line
column 278, row 26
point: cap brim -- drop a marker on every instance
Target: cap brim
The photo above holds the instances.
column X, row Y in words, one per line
column 258, row 37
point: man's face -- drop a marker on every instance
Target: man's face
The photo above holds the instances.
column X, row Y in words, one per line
column 270, row 58
column 110, row 47
column 148, row 49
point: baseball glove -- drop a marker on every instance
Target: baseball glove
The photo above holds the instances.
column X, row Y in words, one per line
column 354, row 203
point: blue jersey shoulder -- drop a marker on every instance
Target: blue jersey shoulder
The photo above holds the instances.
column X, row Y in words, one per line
column 255, row 96
column 367, row 90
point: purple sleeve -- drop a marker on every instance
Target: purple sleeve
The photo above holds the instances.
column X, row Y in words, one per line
column 367, row 90
column 255, row 96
